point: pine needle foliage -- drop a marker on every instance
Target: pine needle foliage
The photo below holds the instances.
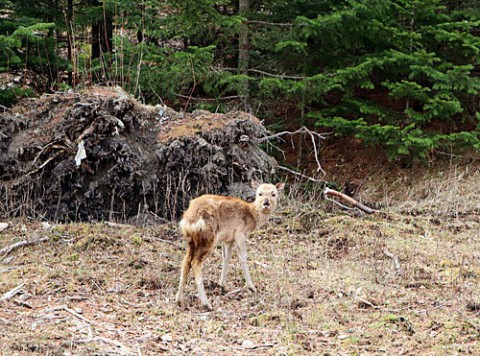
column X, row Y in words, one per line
column 399, row 74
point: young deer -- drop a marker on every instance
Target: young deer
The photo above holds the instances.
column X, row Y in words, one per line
column 212, row 218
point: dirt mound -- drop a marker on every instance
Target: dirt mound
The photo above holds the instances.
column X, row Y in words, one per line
column 102, row 155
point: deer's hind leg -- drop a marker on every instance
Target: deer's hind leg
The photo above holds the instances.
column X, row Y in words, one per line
column 201, row 253
column 226, row 255
column 186, row 265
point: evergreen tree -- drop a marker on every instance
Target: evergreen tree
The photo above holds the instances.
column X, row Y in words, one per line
column 400, row 74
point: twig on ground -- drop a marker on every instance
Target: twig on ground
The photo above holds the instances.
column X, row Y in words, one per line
column 123, row 349
column 118, row 225
column 23, row 303
column 165, row 241
column 236, row 291
column 74, row 313
column 262, row 346
column 12, row 292
column 366, row 302
column 249, row 346
column 396, row 263
column 263, row 265
column 148, row 304
column 7, row 250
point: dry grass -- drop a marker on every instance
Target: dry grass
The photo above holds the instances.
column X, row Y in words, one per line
column 325, row 285
column 446, row 187
column 328, row 283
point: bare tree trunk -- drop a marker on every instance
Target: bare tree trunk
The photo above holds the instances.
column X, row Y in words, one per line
column 68, row 20
column 102, row 33
column 244, row 47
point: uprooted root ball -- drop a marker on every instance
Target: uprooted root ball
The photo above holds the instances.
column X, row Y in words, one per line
column 100, row 154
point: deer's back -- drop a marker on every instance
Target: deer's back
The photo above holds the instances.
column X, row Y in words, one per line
column 221, row 214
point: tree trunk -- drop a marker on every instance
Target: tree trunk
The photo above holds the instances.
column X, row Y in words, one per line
column 68, row 20
column 244, row 47
column 102, row 33
column 96, row 33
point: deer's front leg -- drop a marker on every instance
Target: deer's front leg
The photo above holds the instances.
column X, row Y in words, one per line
column 242, row 256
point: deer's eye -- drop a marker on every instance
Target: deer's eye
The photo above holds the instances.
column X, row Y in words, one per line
column 273, row 194
column 260, row 194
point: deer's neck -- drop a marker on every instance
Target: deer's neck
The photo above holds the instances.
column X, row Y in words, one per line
column 261, row 218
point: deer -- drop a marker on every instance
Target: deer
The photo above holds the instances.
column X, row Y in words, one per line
column 210, row 219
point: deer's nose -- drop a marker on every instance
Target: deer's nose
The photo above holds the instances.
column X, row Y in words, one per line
column 266, row 202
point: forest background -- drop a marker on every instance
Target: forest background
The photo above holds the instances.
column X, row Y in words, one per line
column 401, row 75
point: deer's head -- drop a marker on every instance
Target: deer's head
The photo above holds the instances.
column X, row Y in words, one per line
column 266, row 196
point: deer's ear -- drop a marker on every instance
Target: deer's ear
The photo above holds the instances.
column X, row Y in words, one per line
column 255, row 183
column 280, row 186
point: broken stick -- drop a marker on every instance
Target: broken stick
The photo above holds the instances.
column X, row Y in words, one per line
column 6, row 250
column 349, row 200
column 3, row 226
column 396, row 263
column 11, row 293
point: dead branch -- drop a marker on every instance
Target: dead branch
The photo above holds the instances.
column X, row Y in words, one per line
column 23, row 303
column 7, row 250
column 118, row 225
column 338, row 203
column 396, row 263
column 75, row 314
column 302, row 130
column 123, row 349
column 3, row 226
column 300, row 174
column 263, row 265
column 166, row 241
column 42, row 165
column 11, row 293
column 349, row 200
column 233, row 292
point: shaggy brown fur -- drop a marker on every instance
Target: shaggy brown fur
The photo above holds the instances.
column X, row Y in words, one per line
column 212, row 218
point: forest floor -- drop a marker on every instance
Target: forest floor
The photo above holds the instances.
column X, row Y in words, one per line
column 329, row 282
